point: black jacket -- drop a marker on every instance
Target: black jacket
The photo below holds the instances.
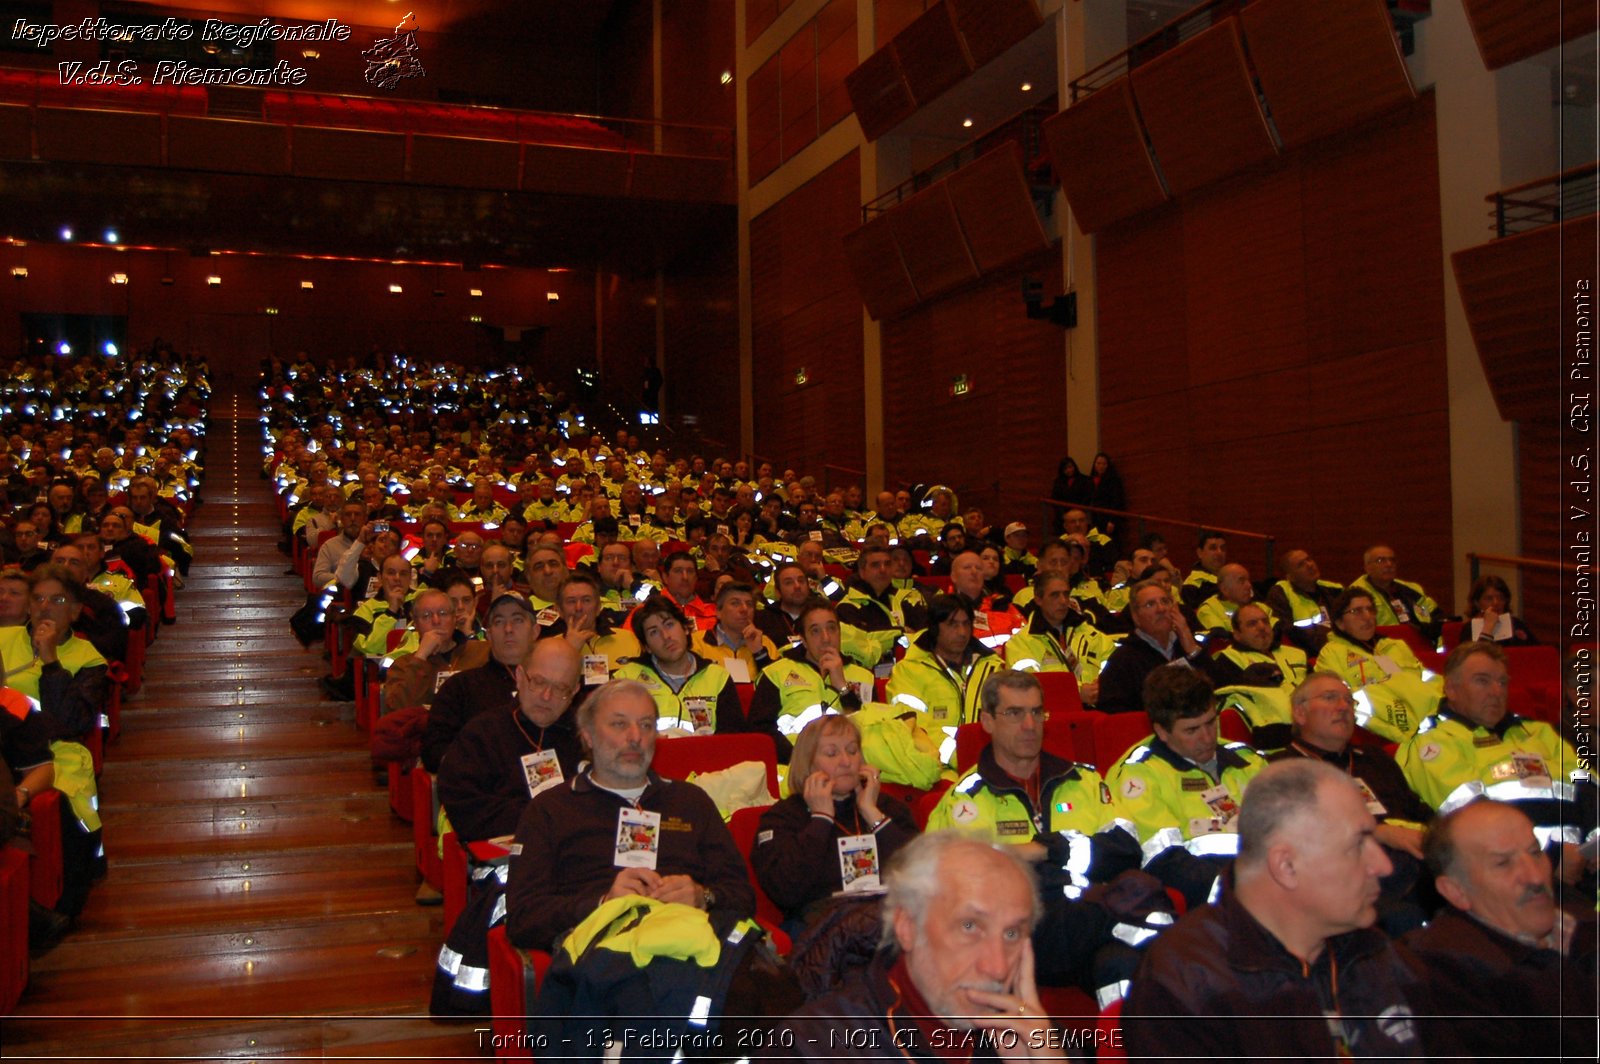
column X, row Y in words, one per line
column 1122, row 680
column 796, row 856
column 1510, row 999
column 463, row 696
column 481, row 781
column 1219, row 985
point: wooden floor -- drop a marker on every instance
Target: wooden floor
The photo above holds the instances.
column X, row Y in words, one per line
column 259, row 900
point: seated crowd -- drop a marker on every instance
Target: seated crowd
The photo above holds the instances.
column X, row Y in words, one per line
column 547, row 611
column 100, row 466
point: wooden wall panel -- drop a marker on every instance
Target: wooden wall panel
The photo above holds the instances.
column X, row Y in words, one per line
column 762, row 114
column 836, row 57
column 797, row 91
column 1509, row 30
column 892, row 16
column 879, row 271
column 995, row 206
column 931, row 241
column 701, row 323
column 16, row 132
column 348, row 154
column 680, row 177
column 989, row 27
column 1325, row 65
column 805, row 312
column 931, row 54
column 1361, row 188
column 1515, row 304
column 115, row 137
column 1142, row 310
column 222, row 144
column 1097, row 146
column 463, row 163
column 1200, row 109
column 1226, row 398
column 758, row 15
column 1544, row 533
column 552, row 169
column 879, row 93
column 1246, row 291
column 987, row 444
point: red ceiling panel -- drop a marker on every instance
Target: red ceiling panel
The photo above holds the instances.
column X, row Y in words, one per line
column 1509, row 30
column 1325, row 65
column 879, row 271
column 931, row 241
column 992, row 199
column 989, row 27
column 1098, row 148
column 1200, row 110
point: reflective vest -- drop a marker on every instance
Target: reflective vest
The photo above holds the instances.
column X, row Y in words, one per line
column 1037, row 649
column 618, row 646
column 693, row 707
column 1174, row 803
column 121, row 589
column 1217, row 612
column 989, row 802
column 894, row 615
column 1393, row 691
column 804, row 695
column 1390, row 608
column 1306, row 611
column 16, row 650
column 1450, row 761
column 707, row 643
column 943, row 698
column 374, row 614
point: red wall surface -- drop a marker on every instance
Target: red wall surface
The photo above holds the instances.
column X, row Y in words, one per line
column 805, row 313
column 1272, row 354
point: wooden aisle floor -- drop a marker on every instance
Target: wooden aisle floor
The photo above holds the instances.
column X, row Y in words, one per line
column 260, row 895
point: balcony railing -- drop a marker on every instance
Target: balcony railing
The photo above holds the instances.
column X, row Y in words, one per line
column 1547, row 201
column 1022, row 127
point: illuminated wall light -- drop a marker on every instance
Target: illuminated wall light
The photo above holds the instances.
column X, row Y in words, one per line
column 66, row 232
column 213, row 280
column 395, row 289
column 111, row 236
column 19, row 272
column 552, row 297
column 63, row 348
column 110, row 349
column 310, row 53
column 272, row 310
column 307, row 284
column 475, row 293
column 476, row 319
column 727, row 77
column 119, row 278
column 800, row 375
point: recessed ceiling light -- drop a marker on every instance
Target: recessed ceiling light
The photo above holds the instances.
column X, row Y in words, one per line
column 966, row 123
column 1027, row 86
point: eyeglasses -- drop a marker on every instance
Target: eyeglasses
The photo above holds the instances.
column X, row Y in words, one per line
column 1361, row 611
column 50, row 600
column 550, row 687
column 435, row 615
column 1016, row 713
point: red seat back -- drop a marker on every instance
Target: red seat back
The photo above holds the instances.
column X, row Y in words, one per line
column 1060, row 692
column 743, row 825
column 677, row 758
column 1115, row 734
column 970, row 741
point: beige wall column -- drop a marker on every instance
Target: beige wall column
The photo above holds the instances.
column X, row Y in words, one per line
column 1471, row 110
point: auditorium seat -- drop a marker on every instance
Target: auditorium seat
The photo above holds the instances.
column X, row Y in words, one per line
column 1108, row 1033
column 1412, row 638
column 14, row 896
column 1060, row 692
column 677, row 758
column 515, row 976
column 743, row 825
column 1115, row 734
column 424, row 818
column 45, row 868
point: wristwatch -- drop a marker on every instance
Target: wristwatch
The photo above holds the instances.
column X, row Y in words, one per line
column 708, row 897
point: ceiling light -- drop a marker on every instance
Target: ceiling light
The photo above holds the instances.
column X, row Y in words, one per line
column 966, row 123
column 213, row 280
column 551, row 297
column 1027, row 86
column 111, row 236
column 66, row 232
column 119, row 278
column 307, row 284
column 475, row 293
column 19, row 272
column 395, row 289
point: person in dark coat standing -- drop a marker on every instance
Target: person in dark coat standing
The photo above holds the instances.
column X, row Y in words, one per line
column 1071, row 488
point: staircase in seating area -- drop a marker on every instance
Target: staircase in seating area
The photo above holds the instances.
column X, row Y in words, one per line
column 260, row 894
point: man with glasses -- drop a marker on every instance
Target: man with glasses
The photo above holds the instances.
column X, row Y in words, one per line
column 1393, row 690
column 491, row 772
column 1397, row 601
column 433, row 651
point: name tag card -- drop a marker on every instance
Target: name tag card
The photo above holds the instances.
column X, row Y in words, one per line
column 542, row 770
column 858, row 863
column 638, row 838
column 596, row 669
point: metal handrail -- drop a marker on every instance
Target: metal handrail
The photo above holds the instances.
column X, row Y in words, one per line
column 1476, row 558
column 1024, row 127
column 1191, row 23
column 1545, row 201
column 1144, row 520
